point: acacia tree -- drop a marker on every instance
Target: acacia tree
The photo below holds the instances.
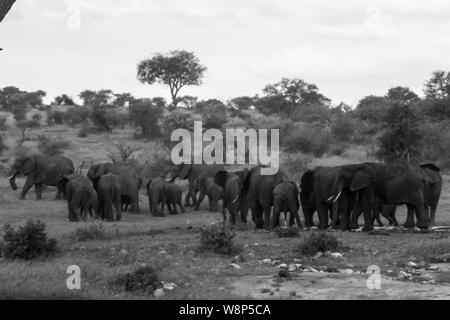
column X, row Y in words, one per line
column 438, row 87
column 175, row 69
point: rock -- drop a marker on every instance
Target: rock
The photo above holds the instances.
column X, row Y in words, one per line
column 124, row 252
column 238, row 259
column 402, row 275
column 297, row 260
column 284, row 273
column 292, row 294
column 235, row 266
column 412, row 264
column 267, row 261
column 265, row 290
column 336, row 255
column 347, row 271
column 283, row 266
column 317, row 255
column 433, row 268
column 159, row 293
column 162, row 252
column 292, row 268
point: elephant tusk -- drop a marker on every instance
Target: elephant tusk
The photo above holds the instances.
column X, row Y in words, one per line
column 337, row 197
column 235, row 199
column 330, row 198
column 12, row 177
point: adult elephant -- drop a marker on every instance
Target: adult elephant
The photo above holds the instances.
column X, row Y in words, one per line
column 109, row 196
column 130, row 182
column 40, row 170
column 259, row 190
column 396, row 183
column 234, row 194
column 157, row 196
column 192, row 172
column 307, row 200
column 207, row 187
column 81, row 197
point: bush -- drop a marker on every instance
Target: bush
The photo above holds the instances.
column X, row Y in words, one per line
column 291, row 232
column 55, row 117
column 318, row 242
column 52, row 147
column 24, row 125
column 105, row 118
column 27, row 242
column 307, row 138
column 3, row 146
column 93, row 231
column 123, row 153
column 215, row 118
column 77, row 115
column 3, row 124
column 146, row 116
column 219, row 240
column 295, row 164
column 177, row 119
column 143, row 279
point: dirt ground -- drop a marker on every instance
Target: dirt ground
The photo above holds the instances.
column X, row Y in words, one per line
column 170, row 245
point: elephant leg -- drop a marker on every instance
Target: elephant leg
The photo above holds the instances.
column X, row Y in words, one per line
column 410, row 223
column 163, row 203
column 187, row 198
column 432, row 215
column 275, row 217
column 257, row 216
column 38, row 190
column 200, row 200
column 135, row 204
column 323, row 216
column 180, row 203
column 28, row 184
column 58, row 194
column 267, row 216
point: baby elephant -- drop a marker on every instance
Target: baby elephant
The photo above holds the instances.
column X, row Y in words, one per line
column 173, row 198
column 208, row 187
column 81, row 197
column 285, row 199
column 109, row 196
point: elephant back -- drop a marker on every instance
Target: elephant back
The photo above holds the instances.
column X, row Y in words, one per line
column 50, row 168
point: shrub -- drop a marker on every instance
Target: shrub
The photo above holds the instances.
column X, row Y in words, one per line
column 177, row 119
column 55, row 117
column 146, row 115
column 215, row 118
column 218, row 239
column 307, row 138
column 123, row 153
column 3, row 124
column 291, row 232
column 52, row 147
column 93, row 231
column 105, row 118
column 27, row 242
column 158, row 165
column 3, row 146
column 84, row 130
column 24, row 125
column 295, row 164
column 143, row 279
column 318, row 242
column 77, row 115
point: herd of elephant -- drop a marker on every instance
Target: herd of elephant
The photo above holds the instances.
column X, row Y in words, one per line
column 338, row 194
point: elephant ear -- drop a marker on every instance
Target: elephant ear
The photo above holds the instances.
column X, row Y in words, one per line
column 185, row 169
column 362, row 179
column 29, row 165
column 220, row 178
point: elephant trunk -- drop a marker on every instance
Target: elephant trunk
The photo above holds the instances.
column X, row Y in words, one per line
column 12, row 181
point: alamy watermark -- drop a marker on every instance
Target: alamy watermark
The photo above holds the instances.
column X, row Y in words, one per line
column 240, row 145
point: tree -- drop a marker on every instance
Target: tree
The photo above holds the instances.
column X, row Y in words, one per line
column 290, row 94
column 373, row 109
column 402, row 138
column 145, row 114
column 242, row 103
column 5, row 6
column 97, row 98
column 64, row 100
column 438, row 87
column 402, row 95
column 123, row 99
column 175, row 69
column 24, row 125
column 188, row 101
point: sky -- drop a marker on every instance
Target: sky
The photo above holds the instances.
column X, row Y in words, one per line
column 348, row 48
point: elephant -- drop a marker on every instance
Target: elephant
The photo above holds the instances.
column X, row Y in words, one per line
column 109, row 196
column 307, row 200
column 174, row 198
column 81, row 197
column 41, row 170
column 378, row 209
column 395, row 183
column 207, row 186
column 157, row 195
column 130, row 182
column 234, row 194
column 191, row 172
column 259, row 189
column 285, row 199
column 432, row 189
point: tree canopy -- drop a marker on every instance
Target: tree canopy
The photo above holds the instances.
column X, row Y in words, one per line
column 175, row 69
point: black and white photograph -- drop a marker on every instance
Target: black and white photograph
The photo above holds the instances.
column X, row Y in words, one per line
column 246, row 153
